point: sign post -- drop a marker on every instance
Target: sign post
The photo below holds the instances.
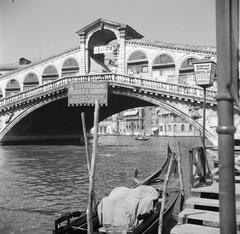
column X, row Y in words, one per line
column 90, row 93
column 205, row 71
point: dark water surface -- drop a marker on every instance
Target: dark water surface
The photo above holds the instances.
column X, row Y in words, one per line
column 39, row 182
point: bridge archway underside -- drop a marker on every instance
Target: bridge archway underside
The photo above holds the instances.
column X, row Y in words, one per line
column 19, row 110
column 52, row 121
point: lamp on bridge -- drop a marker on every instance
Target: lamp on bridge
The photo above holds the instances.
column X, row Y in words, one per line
column 205, row 71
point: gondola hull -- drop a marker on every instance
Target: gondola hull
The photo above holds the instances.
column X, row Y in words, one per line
column 148, row 225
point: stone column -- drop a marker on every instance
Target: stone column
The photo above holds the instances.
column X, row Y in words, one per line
column 150, row 69
column 122, row 53
column 176, row 79
column 82, row 62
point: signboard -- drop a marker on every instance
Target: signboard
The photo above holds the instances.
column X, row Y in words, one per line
column 103, row 49
column 85, row 93
column 205, row 73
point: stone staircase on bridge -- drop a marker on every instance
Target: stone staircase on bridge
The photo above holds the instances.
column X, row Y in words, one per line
column 201, row 213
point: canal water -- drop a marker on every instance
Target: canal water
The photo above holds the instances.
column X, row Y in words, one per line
column 39, row 182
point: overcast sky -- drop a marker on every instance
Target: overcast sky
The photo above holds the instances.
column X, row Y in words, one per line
column 39, row 28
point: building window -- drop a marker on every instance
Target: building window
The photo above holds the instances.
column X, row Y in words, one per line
column 182, row 128
column 145, row 69
column 190, row 62
column 190, row 127
column 175, row 128
column 169, row 128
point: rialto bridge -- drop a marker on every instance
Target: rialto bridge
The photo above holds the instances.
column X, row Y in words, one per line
column 34, row 104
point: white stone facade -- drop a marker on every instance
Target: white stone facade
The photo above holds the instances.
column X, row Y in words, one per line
column 126, row 47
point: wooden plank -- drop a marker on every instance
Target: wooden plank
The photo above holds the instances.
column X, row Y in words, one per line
column 214, row 188
column 191, row 202
column 207, row 218
column 194, row 229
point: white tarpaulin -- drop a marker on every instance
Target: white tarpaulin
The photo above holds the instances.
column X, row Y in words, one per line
column 123, row 205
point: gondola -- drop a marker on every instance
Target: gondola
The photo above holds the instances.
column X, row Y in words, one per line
column 76, row 222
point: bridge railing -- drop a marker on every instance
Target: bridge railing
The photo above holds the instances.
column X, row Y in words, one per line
column 173, row 89
column 167, row 88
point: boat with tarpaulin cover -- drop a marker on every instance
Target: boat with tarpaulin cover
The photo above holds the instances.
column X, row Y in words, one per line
column 134, row 210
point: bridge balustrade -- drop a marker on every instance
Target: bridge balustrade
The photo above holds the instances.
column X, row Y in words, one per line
column 169, row 87
column 56, row 85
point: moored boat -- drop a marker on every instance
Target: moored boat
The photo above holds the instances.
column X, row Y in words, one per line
column 114, row 207
column 142, row 137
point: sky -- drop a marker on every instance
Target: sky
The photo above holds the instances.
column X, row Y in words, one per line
column 41, row 28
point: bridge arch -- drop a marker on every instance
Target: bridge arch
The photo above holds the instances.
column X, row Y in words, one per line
column 12, row 87
column 163, row 67
column 130, row 99
column 70, row 66
column 30, row 81
column 137, row 63
column 50, row 73
column 99, row 61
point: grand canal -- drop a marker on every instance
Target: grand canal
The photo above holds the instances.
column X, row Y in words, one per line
column 39, row 182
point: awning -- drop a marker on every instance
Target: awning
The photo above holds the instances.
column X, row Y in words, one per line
column 155, row 130
column 130, row 113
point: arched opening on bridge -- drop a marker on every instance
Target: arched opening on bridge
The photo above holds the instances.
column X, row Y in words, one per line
column 190, row 127
column 12, row 87
column 70, row 67
column 103, row 50
column 137, row 64
column 182, row 127
column 49, row 74
column 44, row 124
column 175, row 128
column 163, row 68
column 186, row 72
column 30, row 81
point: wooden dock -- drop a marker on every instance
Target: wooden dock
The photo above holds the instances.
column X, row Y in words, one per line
column 201, row 213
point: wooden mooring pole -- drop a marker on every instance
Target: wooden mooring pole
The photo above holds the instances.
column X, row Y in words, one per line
column 92, row 171
column 86, row 142
column 87, row 149
column 180, row 174
column 227, row 23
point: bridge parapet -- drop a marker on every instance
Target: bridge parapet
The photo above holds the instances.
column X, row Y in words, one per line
column 183, row 91
column 135, row 83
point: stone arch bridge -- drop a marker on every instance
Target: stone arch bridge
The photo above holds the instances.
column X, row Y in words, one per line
column 139, row 72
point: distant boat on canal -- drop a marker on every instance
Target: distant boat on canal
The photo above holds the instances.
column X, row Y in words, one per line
column 141, row 137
